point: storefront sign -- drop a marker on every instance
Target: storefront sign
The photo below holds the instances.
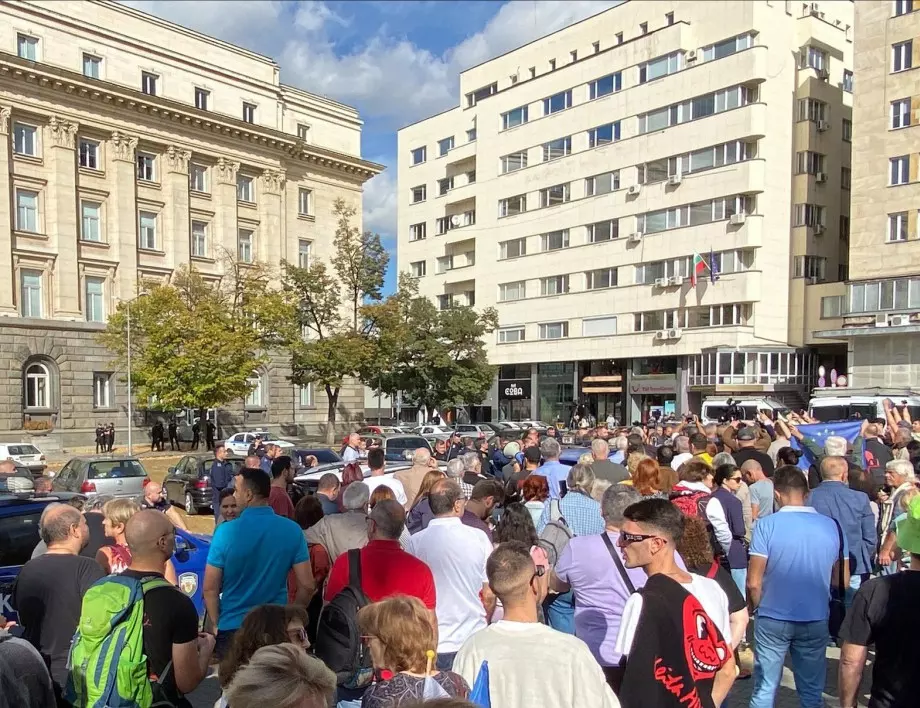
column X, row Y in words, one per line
column 653, row 385
column 513, row 390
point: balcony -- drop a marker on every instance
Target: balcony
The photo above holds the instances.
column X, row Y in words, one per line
column 465, row 151
column 451, row 222
column 451, row 262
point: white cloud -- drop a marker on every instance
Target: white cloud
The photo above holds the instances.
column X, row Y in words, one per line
column 380, row 203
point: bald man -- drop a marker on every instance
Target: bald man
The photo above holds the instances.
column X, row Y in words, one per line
column 411, row 479
column 8, row 467
column 170, row 620
column 153, row 499
column 48, row 593
column 760, row 488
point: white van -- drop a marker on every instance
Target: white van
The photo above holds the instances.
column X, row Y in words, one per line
column 715, row 408
column 843, row 404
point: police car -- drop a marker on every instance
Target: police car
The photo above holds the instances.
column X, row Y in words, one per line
column 20, row 510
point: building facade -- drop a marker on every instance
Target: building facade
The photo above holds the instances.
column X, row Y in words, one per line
column 127, row 154
column 880, row 304
column 654, row 199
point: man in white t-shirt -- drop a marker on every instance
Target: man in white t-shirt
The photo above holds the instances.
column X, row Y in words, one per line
column 377, row 461
column 531, row 663
column 663, row 624
column 351, row 453
column 457, row 556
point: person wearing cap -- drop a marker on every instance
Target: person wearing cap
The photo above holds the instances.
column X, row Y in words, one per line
column 884, row 614
column 515, row 483
column 746, row 440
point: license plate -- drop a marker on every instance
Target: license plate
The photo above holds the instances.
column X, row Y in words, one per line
column 567, row 439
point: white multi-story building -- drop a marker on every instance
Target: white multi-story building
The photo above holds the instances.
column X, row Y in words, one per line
column 581, row 175
column 131, row 146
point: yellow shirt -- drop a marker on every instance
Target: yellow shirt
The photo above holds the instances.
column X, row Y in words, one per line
column 705, row 457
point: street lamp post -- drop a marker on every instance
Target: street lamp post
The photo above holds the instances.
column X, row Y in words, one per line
column 130, row 407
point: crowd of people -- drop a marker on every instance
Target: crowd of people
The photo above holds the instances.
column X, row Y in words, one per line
column 663, row 566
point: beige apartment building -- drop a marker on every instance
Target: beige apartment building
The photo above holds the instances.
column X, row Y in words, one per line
column 582, row 177
column 881, row 302
column 132, row 146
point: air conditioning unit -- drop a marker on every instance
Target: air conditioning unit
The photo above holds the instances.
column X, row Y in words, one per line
column 676, row 280
column 881, row 320
column 635, row 237
column 691, row 55
column 661, row 282
column 661, row 335
column 633, row 189
column 818, row 229
column 821, row 177
column 737, row 219
column 674, row 180
column 898, row 320
column 674, row 334
column 823, row 125
column 455, row 220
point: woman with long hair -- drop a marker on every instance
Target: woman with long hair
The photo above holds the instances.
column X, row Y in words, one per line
column 726, row 483
column 420, row 511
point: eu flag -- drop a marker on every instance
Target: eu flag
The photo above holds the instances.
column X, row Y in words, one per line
column 819, row 432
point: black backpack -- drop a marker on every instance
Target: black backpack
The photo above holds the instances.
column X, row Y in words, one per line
column 338, row 639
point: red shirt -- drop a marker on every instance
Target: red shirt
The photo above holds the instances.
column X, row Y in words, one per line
column 386, row 570
column 280, row 502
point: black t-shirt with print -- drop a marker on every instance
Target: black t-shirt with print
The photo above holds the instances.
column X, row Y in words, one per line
column 884, row 612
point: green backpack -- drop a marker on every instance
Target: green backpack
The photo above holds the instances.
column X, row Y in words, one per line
column 107, row 663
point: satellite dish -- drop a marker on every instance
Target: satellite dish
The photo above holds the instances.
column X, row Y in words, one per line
column 455, row 220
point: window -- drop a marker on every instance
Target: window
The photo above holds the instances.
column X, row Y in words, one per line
column 902, row 7
column 554, row 330
column 471, row 177
column 418, row 269
column 515, row 117
column 303, row 132
column 27, row 211
column 596, row 47
column 832, row 306
column 254, row 397
column 812, row 109
column 24, row 140
column 95, row 299
column 602, row 184
column 27, row 47
column 147, row 231
column 901, row 55
column 603, row 278
column 846, row 175
column 574, row 54
column 551, row 196
column 897, row 227
column 899, row 169
column 599, row 326
column 619, row 36
column 554, row 240
column 419, row 155
column 552, row 64
column 669, row 18
column 809, row 215
column 445, row 302
column 643, row 27
column 844, row 227
column 847, row 81
column 476, row 96
column 304, row 251
column 198, row 178
column 511, row 291
column 900, row 113
column 306, row 395
column 249, row 112
column 304, row 201
column 445, row 145
column 727, row 47
column 445, row 185
column 146, row 167
column 91, row 66
column 244, row 245
column 813, row 58
column 30, row 290
column 847, row 129
column 102, row 390
column 149, row 83
column 604, row 134
column 605, row 85
column 662, row 66
column 89, row 154
column 91, row 221
column 202, row 98
column 555, row 149
column 418, row 194
column 555, row 285
column 38, row 386
column 809, row 163
column 696, row 108
column 509, row 335
column 513, row 162
column 417, row 232
column 512, row 205
column 603, row 231
column 515, row 248
column 557, row 102
column 471, row 135
column 244, row 188
column 199, row 245
column 809, row 267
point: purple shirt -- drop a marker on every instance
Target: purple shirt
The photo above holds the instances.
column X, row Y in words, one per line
column 470, row 519
column 600, row 594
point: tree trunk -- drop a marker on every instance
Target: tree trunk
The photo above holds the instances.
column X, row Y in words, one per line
column 332, row 396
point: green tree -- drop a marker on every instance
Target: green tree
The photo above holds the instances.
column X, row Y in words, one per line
column 360, row 260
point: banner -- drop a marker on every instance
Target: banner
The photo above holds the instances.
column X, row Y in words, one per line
column 819, row 432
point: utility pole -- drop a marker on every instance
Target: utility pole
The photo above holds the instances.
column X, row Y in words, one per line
column 130, row 394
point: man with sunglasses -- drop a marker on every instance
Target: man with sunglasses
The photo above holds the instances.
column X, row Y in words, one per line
column 675, row 632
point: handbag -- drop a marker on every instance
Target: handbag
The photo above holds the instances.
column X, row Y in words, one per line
column 837, row 605
column 618, row 563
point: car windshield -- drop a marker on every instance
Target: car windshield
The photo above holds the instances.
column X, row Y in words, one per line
column 24, row 450
column 18, row 538
column 115, row 469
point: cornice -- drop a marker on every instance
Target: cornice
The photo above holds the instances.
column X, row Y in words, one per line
column 54, row 78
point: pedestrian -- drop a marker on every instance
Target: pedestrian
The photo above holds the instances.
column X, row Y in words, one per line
column 726, row 482
column 535, row 492
column 376, row 461
column 338, row 533
column 746, row 439
column 760, row 488
column 554, row 471
column 455, row 471
column 472, row 471
column 173, row 430
column 154, row 498
column 794, row 559
column 228, row 509
column 681, row 452
column 900, row 476
column 116, row 557
column 221, row 474
column 351, row 453
column 24, row 678
column 156, row 436
column 282, row 476
column 411, row 479
column 420, row 512
column 530, row 663
column 210, row 432
column 647, row 479
column 351, row 473
column 456, row 555
column 676, row 632
column 269, row 452
column 100, row 438
column 603, row 467
column 94, row 516
column 516, row 524
column 49, row 589
column 307, row 514
column 693, row 496
column 515, row 480
column 110, row 437
column 487, row 495
column 259, row 544
column 281, row 676
column 581, row 512
column 327, row 491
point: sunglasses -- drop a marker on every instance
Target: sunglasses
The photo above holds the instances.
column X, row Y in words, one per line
column 734, row 479
column 627, row 538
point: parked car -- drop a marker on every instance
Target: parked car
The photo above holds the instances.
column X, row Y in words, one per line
column 433, row 431
column 382, row 430
column 323, row 455
column 396, row 448
column 538, row 424
column 307, row 482
column 239, row 443
column 118, row 475
column 476, row 430
column 188, row 484
column 24, row 455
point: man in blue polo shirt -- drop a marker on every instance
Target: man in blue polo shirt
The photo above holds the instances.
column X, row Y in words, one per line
column 554, row 471
column 250, row 559
column 794, row 557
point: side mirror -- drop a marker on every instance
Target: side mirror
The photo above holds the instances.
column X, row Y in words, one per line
column 171, row 470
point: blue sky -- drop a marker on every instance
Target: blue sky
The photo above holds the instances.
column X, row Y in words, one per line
column 397, row 61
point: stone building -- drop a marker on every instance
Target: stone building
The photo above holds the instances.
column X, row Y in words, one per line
column 126, row 154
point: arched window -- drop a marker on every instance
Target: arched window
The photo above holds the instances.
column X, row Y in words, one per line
column 255, row 398
column 38, row 386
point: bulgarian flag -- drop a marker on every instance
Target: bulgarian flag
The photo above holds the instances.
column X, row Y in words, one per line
column 698, row 268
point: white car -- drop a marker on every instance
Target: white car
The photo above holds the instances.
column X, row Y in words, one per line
column 538, row 424
column 239, row 443
column 433, row 431
column 24, row 455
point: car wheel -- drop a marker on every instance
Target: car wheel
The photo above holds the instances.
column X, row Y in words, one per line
column 190, row 507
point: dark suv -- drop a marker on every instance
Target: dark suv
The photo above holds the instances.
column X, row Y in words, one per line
column 188, row 484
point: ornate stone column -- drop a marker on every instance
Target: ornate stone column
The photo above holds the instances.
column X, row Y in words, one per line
column 7, row 276
column 61, row 216
column 121, row 212
column 177, row 225
column 225, row 208
column 271, row 218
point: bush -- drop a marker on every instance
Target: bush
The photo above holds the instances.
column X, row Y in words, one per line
column 37, row 425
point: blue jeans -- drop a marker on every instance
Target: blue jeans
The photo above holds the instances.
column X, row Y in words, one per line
column 348, row 704
column 739, row 575
column 560, row 612
column 856, row 582
column 806, row 642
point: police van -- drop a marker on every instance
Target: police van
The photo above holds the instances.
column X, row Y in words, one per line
column 832, row 404
column 716, row 408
